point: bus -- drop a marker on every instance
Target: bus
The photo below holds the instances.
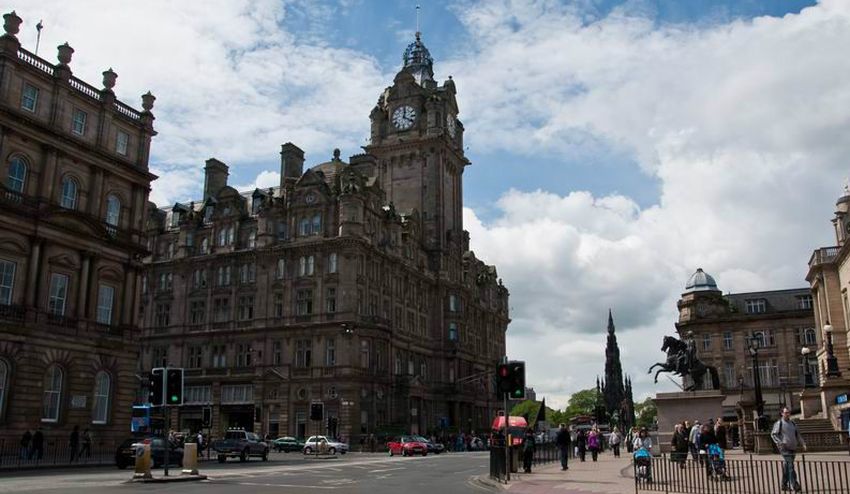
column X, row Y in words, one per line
column 145, row 420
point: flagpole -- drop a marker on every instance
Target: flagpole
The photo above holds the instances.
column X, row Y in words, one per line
column 38, row 27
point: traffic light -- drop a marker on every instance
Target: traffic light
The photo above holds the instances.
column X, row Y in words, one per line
column 174, row 387
column 502, row 374
column 510, row 379
column 317, row 410
column 155, row 387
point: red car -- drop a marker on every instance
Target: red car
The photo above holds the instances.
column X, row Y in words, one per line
column 407, row 446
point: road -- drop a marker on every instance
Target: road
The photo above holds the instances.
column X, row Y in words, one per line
column 447, row 473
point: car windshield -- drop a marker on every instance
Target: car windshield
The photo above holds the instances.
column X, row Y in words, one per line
column 420, row 439
column 253, row 436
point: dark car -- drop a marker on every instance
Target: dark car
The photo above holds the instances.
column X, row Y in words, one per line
column 125, row 456
column 434, row 448
column 287, row 444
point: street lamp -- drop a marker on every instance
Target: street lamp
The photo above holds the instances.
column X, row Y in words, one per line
column 831, row 361
column 754, row 353
column 807, row 368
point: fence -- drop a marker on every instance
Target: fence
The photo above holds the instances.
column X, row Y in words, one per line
column 750, row 475
column 543, row 453
column 54, row 453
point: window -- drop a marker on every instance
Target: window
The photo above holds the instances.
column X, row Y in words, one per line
column 229, row 235
column 58, row 294
column 280, row 269
column 196, row 355
column 105, row 297
column 17, row 175
column 330, row 352
column 330, row 300
column 809, row 337
column 121, row 141
column 317, row 224
column 454, row 305
column 706, row 341
column 304, row 302
column 208, row 214
column 163, row 315
column 78, row 123
column 282, row 231
column 100, row 407
column 423, row 370
column 7, row 284
column 29, row 97
column 4, row 384
column 804, row 302
column 199, row 278
column 113, row 212
column 303, row 349
column 727, row 340
column 246, row 308
column 52, row 394
column 219, row 356
column 397, row 367
column 222, row 237
column 410, row 367
column 160, row 356
column 69, row 193
column 205, row 245
column 221, row 309
column 175, row 219
column 278, row 305
column 223, row 276
column 276, row 353
column 304, row 227
column 365, row 353
column 755, row 305
column 252, row 240
column 306, row 266
column 247, row 273
column 165, row 282
column 197, row 311
column 237, row 393
column 197, row 395
column 243, row 355
column 332, row 262
column 729, row 378
column 453, row 331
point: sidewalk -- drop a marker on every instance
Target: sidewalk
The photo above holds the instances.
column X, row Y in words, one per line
column 609, row 475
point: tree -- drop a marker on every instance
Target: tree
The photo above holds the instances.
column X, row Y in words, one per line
column 581, row 403
column 525, row 408
column 645, row 413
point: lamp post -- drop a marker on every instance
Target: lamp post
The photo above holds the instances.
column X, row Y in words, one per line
column 831, row 361
column 754, row 353
column 807, row 368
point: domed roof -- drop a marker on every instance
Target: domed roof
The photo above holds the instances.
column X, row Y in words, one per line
column 701, row 282
column 418, row 61
column 330, row 169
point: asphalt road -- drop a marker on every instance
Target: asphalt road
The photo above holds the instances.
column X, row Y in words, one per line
column 447, row 473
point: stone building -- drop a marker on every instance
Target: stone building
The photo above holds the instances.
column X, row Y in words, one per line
column 74, row 182
column 829, row 275
column 349, row 283
column 780, row 323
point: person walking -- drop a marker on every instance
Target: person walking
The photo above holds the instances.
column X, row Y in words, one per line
column 615, row 441
column 563, row 442
column 788, row 440
column 630, row 438
column 693, row 441
column 679, row 445
column 86, row 444
column 37, row 445
column 581, row 442
column 26, row 445
column 74, row 443
column 528, row 445
column 593, row 443
column 644, row 442
column 720, row 433
column 706, row 439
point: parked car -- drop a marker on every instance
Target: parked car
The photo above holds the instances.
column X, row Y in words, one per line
column 239, row 443
column 407, row 446
column 433, row 447
column 312, row 445
column 125, row 455
column 287, row 444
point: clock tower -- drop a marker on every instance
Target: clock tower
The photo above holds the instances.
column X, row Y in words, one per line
column 418, row 142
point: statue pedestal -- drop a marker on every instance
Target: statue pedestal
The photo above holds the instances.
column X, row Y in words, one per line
column 687, row 405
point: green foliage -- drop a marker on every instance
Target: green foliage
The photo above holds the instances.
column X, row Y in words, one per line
column 527, row 407
column 645, row 413
column 581, row 403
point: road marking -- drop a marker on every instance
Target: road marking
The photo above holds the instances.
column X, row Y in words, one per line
column 387, row 469
column 299, row 486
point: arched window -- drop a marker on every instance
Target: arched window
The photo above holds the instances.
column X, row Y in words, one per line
column 4, row 384
column 205, row 245
column 102, row 388
column 52, row 394
column 69, row 193
column 810, row 337
column 113, row 212
column 17, row 175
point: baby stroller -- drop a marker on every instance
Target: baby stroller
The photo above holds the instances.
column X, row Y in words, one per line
column 716, row 463
column 643, row 463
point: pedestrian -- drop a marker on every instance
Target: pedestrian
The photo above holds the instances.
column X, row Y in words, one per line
column 615, row 441
column 581, row 442
column 563, row 442
column 373, row 442
column 593, row 443
column 679, row 445
column 74, row 443
column 788, row 440
column 644, row 442
column 26, row 445
column 720, row 433
column 199, row 439
column 37, row 445
column 528, row 445
column 706, row 439
column 693, row 441
column 86, row 444
column 573, row 436
column 630, row 438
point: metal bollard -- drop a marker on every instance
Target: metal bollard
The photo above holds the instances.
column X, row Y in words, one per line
column 190, row 459
column 143, row 462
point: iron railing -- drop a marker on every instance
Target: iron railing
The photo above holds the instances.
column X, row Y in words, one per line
column 746, row 475
column 54, row 452
column 544, row 453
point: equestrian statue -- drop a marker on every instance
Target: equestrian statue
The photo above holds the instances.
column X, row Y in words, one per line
column 682, row 360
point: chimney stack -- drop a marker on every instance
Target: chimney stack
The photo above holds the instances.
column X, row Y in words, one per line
column 291, row 163
column 215, row 177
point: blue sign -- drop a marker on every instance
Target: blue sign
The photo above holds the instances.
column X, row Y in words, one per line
column 841, row 399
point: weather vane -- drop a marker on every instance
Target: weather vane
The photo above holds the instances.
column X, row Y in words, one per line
column 38, row 27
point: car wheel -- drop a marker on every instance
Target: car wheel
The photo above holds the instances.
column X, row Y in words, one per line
column 332, row 451
column 308, row 451
column 222, row 458
column 243, row 456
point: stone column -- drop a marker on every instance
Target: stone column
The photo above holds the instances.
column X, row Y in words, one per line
column 82, row 295
column 48, row 173
column 31, row 299
column 96, row 199
column 129, row 296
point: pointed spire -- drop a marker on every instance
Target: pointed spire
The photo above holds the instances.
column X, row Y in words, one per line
column 610, row 322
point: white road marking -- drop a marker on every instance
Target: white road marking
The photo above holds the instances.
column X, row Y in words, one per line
column 387, row 469
column 299, row 486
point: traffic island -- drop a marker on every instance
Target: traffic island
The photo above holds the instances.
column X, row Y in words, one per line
column 321, row 457
column 175, row 478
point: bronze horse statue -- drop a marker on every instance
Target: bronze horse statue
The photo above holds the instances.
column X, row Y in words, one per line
column 680, row 363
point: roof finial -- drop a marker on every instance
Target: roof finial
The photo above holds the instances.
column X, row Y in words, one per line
column 418, row 33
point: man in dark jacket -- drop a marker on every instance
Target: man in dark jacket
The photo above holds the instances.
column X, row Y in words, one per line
column 720, row 432
column 37, row 445
column 74, row 443
column 680, row 445
column 529, row 442
column 562, row 440
column 581, row 442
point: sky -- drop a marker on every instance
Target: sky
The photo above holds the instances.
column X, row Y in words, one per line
column 616, row 146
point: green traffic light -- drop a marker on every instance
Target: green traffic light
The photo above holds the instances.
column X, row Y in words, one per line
column 174, row 398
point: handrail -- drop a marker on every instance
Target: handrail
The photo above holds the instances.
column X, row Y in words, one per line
column 35, row 61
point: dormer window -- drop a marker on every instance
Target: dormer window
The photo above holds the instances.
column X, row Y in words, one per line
column 175, row 219
column 256, row 203
column 756, row 305
column 208, row 213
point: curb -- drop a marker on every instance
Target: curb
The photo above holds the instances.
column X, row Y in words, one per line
column 486, row 481
column 166, row 480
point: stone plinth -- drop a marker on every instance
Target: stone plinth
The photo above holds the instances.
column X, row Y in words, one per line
column 810, row 403
column 688, row 405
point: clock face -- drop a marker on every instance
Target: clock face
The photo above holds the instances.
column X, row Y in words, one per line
column 450, row 125
column 403, row 117
column 310, row 198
